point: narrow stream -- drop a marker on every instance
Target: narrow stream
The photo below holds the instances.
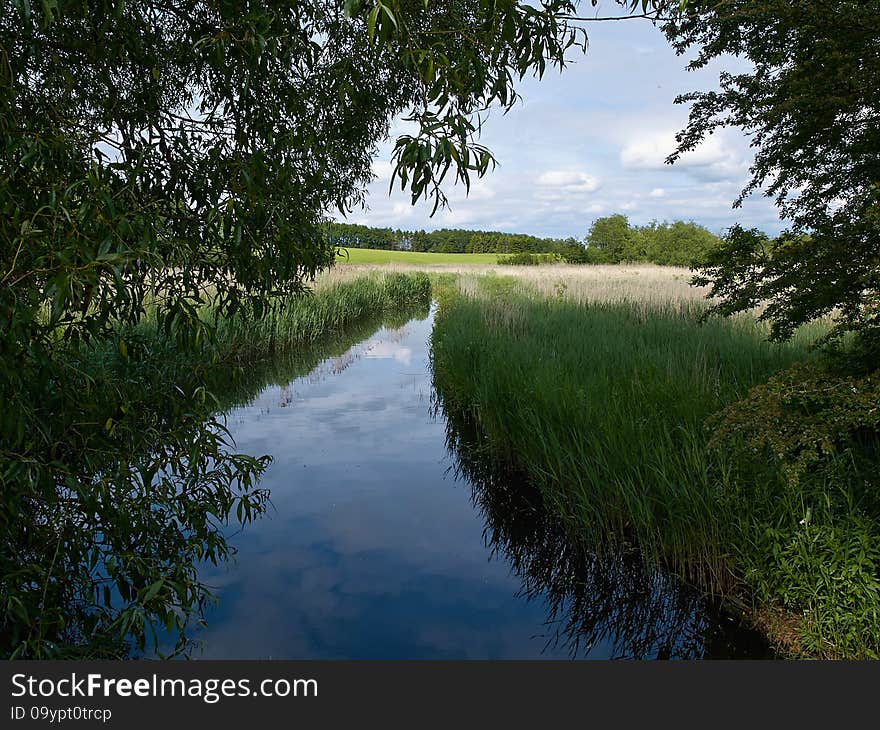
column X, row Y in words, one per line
column 387, row 541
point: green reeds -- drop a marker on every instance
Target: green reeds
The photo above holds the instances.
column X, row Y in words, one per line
column 604, row 405
column 322, row 313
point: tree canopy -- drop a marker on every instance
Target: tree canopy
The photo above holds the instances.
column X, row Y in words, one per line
column 443, row 240
column 168, row 147
column 612, row 240
column 811, row 104
column 163, row 161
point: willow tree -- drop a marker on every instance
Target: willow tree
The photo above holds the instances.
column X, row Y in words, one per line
column 167, row 158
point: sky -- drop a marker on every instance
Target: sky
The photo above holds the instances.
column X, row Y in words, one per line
column 591, row 142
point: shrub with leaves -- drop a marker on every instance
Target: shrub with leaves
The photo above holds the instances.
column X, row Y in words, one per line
column 805, row 418
column 803, row 495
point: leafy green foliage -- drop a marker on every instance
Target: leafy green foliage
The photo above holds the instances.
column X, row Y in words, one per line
column 443, row 240
column 811, row 104
column 170, row 164
column 111, row 501
column 513, row 243
column 109, row 508
column 804, row 450
column 807, row 417
column 825, row 572
column 611, row 236
column 611, row 240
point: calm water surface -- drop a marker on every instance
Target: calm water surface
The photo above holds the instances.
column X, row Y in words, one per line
column 384, row 541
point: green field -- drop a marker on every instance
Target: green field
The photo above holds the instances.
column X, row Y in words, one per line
column 381, row 256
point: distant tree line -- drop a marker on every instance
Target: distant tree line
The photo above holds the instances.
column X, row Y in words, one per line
column 444, row 240
column 610, row 240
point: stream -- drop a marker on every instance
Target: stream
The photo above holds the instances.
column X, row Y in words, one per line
column 387, row 538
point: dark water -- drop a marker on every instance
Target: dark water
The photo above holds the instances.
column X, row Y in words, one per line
column 388, row 538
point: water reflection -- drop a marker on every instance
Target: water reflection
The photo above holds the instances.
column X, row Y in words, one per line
column 612, row 601
column 369, row 552
column 373, row 551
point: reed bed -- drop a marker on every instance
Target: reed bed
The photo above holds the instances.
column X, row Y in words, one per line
column 643, row 283
column 604, row 400
column 604, row 406
column 335, row 303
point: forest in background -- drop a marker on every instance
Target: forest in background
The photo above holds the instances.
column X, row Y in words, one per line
column 610, row 240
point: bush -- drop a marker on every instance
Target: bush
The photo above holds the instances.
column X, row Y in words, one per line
column 804, row 491
column 806, row 418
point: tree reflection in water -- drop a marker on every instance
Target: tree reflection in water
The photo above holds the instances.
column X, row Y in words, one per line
column 607, row 602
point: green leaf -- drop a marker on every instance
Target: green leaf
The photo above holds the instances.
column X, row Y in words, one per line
column 371, row 20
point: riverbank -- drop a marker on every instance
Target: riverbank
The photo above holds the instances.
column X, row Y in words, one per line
column 135, row 474
column 604, row 401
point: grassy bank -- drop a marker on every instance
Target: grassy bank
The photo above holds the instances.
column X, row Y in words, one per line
column 604, row 403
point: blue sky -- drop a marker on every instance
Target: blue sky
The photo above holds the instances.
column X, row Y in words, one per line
column 591, row 142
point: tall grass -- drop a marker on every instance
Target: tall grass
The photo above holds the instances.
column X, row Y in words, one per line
column 323, row 312
column 603, row 402
column 154, row 375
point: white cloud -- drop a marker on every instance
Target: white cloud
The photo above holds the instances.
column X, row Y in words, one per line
column 569, row 180
column 457, row 217
column 647, row 152
column 718, row 157
column 383, row 169
column 587, row 143
column 402, row 210
column 481, row 189
column 383, row 350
